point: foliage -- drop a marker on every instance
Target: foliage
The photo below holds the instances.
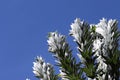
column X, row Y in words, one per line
column 99, row 54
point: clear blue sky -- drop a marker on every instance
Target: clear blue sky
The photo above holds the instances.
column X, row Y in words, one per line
column 24, row 25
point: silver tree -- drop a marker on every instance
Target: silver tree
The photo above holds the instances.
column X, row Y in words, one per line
column 99, row 54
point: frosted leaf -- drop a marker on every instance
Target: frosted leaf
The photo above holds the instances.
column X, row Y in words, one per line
column 76, row 30
column 56, row 42
column 41, row 69
column 104, row 28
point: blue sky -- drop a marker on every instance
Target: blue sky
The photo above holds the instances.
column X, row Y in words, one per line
column 24, row 25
